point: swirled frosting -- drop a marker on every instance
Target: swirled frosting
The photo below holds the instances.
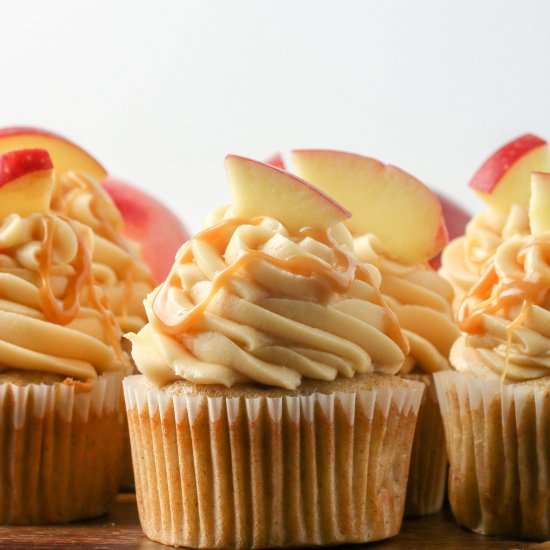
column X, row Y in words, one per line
column 53, row 318
column 250, row 301
column 505, row 317
column 463, row 258
column 421, row 300
column 116, row 261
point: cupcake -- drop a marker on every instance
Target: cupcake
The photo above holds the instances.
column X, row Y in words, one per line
column 378, row 195
column 116, row 262
column 502, row 182
column 496, row 405
column 61, row 363
column 268, row 413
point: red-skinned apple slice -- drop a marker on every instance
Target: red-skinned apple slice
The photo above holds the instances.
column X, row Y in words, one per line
column 65, row 155
column 504, row 178
column 147, row 221
column 26, row 182
column 539, row 205
column 383, row 199
column 262, row 190
column 455, row 216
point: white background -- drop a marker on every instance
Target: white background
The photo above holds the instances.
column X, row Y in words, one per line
column 161, row 90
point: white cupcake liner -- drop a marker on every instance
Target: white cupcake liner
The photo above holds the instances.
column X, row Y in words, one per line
column 498, row 440
column 428, row 469
column 60, row 456
column 257, row 472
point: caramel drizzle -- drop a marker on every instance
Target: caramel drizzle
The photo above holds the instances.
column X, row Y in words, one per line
column 340, row 276
column 493, row 295
column 64, row 310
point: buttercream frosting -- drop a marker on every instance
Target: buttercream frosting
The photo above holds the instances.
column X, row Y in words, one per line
column 250, row 301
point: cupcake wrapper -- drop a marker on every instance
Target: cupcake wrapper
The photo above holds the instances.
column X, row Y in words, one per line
column 428, row 470
column 246, row 472
column 127, row 469
column 60, row 451
column 498, row 440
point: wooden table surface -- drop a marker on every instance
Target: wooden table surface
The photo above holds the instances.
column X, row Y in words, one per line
column 121, row 530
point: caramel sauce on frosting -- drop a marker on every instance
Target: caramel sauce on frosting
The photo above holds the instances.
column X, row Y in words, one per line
column 116, row 262
column 464, row 258
column 250, row 301
column 53, row 317
column 506, row 314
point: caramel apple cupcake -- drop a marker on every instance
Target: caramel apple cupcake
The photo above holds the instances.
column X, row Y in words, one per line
column 116, row 262
column 378, row 195
column 496, row 405
column 502, row 182
column 268, row 414
column 61, row 363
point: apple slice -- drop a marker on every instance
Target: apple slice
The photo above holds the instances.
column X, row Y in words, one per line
column 157, row 230
column 277, row 161
column 539, row 205
column 66, row 156
column 384, row 200
column 503, row 179
column 26, row 182
column 262, row 190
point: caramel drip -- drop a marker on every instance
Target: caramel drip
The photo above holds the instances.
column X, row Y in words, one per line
column 340, row 276
column 64, row 310
column 492, row 296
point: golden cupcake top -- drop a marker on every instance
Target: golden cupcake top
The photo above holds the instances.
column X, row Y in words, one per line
column 270, row 294
column 54, row 318
column 506, row 314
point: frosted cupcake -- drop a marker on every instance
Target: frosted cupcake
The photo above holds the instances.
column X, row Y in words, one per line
column 116, row 263
column 268, row 415
column 502, row 182
column 398, row 226
column 61, row 364
column 496, row 406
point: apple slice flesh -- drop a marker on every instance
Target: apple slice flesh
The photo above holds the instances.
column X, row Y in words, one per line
column 26, row 182
column 539, row 205
column 65, row 155
column 504, row 178
column 262, row 190
column 157, row 230
column 383, row 199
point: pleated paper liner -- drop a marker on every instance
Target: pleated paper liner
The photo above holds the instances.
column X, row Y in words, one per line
column 428, row 470
column 498, row 439
column 253, row 468
column 60, row 450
